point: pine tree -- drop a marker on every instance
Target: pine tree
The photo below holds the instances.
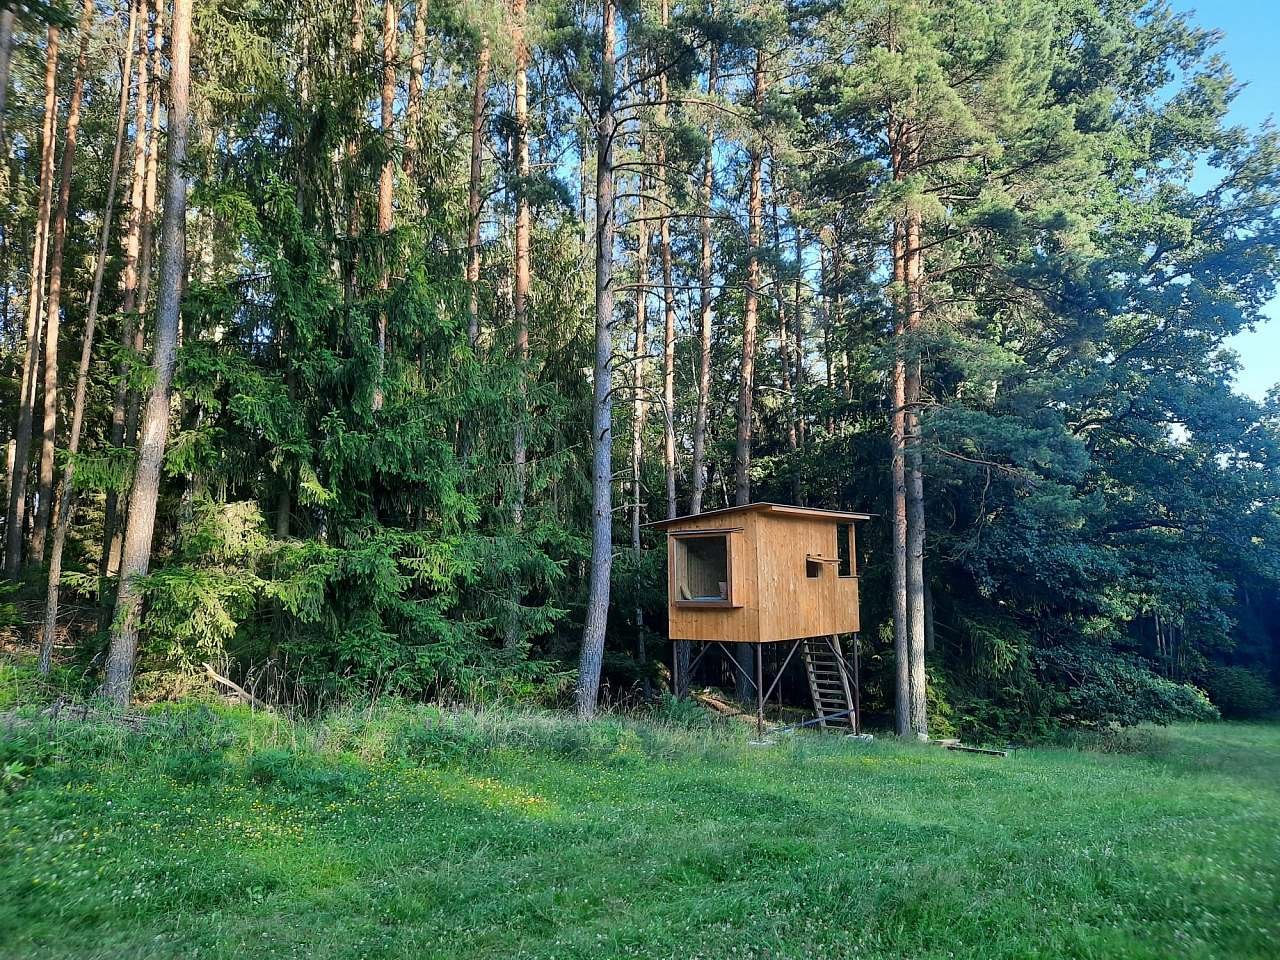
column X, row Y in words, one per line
column 15, row 520
column 136, row 555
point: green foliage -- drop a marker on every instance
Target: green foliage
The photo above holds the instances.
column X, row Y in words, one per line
column 1240, row 693
column 1102, row 688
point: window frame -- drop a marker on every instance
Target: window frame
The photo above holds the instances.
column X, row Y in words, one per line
column 853, row 551
column 724, row 533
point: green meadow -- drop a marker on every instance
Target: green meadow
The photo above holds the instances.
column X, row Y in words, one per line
column 403, row 831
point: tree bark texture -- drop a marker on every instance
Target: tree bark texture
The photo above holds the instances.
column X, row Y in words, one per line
column 132, row 247
column 520, row 294
column 597, row 612
column 135, row 560
column 62, row 517
column 747, row 372
column 16, row 517
column 698, row 466
column 53, row 306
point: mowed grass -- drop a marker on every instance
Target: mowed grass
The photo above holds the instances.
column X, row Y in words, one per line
column 411, row 832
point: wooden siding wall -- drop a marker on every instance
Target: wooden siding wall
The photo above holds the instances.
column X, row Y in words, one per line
column 773, row 598
column 793, row 605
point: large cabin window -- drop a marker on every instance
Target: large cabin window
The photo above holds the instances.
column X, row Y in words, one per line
column 702, row 569
column 844, row 550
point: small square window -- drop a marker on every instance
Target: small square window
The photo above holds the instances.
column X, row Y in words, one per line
column 844, row 550
column 702, row 569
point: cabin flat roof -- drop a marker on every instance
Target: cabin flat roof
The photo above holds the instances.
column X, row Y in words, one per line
column 781, row 509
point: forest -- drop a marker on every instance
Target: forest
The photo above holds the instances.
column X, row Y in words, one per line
column 349, row 347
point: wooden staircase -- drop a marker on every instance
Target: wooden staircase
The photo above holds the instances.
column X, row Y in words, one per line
column 828, row 682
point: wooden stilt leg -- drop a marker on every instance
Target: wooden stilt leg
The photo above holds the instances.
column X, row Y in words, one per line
column 857, row 688
column 760, row 690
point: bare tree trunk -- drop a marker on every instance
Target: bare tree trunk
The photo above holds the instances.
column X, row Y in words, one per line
column 53, row 308
column 668, row 295
column 132, row 249
column 597, row 612
column 828, row 367
column 698, row 468
column 520, row 295
column 784, row 335
column 27, row 395
column 386, row 185
column 639, row 406
column 915, row 478
column 413, row 101
column 474, row 200
column 146, row 248
column 62, row 518
column 747, row 374
column 352, row 151
column 897, row 442
column 682, row 653
column 797, row 383
column 639, row 353
column 118, row 681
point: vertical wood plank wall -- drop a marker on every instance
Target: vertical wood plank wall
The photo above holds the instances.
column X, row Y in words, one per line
column 774, row 599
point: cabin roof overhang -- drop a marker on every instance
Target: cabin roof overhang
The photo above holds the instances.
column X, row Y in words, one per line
column 776, row 509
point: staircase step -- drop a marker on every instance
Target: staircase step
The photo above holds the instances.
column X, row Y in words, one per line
column 828, row 682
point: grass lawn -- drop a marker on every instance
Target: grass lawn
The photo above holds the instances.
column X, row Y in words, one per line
column 421, row 834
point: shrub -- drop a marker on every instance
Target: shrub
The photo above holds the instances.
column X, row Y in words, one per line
column 1100, row 687
column 1240, row 693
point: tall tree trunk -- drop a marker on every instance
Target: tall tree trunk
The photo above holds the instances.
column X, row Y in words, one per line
column 898, row 483
column 698, row 467
column 413, row 100
column 352, row 150
column 668, row 294
column 386, row 185
column 824, row 282
column 597, row 612
column 915, row 475
column 62, row 517
column 132, row 249
column 747, row 373
column 640, row 350
column 797, row 382
column 479, row 96
column 27, row 391
column 136, row 558
column 784, row 334
column 639, row 404
column 520, row 295
column 146, row 249
column 53, row 308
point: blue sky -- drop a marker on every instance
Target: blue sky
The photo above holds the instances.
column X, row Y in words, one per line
column 1252, row 46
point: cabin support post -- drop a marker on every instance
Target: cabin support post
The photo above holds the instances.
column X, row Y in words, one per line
column 857, row 689
column 759, row 690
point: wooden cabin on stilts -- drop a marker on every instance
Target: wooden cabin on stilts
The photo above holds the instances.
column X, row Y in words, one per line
column 767, row 573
